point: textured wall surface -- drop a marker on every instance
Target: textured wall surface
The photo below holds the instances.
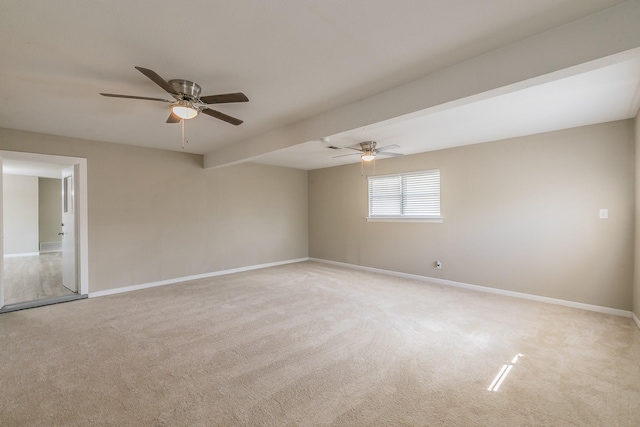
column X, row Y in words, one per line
column 20, row 214
column 157, row 215
column 519, row 215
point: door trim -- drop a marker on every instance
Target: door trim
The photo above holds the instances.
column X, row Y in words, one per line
column 82, row 224
column 69, row 229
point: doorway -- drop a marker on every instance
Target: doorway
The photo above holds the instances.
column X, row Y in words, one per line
column 44, row 230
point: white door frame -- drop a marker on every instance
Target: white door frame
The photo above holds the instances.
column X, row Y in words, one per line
column 81, row 210
column 68, row 226
column 1, row 237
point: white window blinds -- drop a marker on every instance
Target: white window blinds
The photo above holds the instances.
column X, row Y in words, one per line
column 412, row 195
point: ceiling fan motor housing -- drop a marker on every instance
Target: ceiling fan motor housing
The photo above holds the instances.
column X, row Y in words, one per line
column 189, row 90
column 369, row 147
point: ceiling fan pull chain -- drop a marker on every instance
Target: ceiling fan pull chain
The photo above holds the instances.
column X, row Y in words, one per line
column 182, row 121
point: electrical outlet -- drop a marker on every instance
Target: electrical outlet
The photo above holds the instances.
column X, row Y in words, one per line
column 604, row 213
column 438, row 264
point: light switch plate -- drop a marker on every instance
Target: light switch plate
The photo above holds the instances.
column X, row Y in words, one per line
column 604, row 213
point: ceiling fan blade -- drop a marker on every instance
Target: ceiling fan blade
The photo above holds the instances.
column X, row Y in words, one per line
column 345, row 155
column 157, row 80
column 357, row 148
column 388, row 153
column 221, row 116
column 387, row 147
column 224, row 98
column 173, row 118
column 113, row 95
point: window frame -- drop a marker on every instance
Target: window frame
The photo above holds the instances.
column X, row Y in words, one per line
column 403, row 197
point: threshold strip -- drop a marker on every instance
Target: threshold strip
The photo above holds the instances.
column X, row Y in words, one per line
column 40, row 303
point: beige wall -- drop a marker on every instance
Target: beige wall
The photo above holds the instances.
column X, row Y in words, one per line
column 20, row 214
column 49, row 209
column 519, row 215
column 158, row 215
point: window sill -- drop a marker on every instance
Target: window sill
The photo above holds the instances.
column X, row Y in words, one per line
column 404, row 219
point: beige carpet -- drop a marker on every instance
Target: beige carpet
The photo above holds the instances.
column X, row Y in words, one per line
column 33, row 277
column 310, row 344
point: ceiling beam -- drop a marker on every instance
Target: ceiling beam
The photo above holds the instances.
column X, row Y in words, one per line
column 595, row 41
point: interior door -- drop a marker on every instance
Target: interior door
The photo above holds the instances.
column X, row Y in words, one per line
column 68, row 232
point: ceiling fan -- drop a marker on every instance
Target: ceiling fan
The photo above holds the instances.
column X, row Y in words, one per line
column 369, row 151
column 187, row 102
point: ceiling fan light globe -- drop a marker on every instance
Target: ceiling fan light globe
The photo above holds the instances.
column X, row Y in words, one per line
column 367, row 157
column 184, row 111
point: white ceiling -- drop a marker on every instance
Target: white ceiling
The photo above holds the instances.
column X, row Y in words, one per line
column 294, row 60
column 598, row 96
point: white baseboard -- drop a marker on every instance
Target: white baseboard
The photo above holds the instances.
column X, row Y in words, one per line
column 51, row 246
column 572, row 304
column 23, row 254
column 189, row 278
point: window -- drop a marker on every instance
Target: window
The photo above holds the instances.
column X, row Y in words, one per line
column 411, row 196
